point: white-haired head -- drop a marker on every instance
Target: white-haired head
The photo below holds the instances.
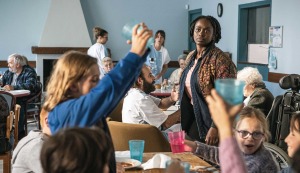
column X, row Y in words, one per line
column 250, row 75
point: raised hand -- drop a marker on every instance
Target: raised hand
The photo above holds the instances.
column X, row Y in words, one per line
column 140, row 38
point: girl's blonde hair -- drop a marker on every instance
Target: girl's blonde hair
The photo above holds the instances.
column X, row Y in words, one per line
column 251, row 112
column 70, row 68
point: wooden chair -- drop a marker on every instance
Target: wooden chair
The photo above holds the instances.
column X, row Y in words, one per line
column 121, row 133
column 12, row 120
column 32, row 108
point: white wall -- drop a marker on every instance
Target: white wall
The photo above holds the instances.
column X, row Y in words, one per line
column 112, row 15
column 285, row 13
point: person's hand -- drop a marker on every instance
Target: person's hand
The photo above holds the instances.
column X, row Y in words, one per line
column 159, row 75
column 174, row 94
column 8, row 88
column 212, row 136
column 190, row 146
column 222, row 113
column 139, row 39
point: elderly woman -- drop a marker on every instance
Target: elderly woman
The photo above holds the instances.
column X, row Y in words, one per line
column 255, row 91
column 175, row 76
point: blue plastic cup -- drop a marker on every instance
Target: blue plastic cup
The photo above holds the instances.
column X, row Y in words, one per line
column 136, row 148
column 231, row 90
column 127, row 32
column 185, row 165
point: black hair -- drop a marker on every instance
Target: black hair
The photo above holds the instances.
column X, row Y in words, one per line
column 215, row 24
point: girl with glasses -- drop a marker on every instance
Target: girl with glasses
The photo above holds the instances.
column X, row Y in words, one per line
column 251, row 130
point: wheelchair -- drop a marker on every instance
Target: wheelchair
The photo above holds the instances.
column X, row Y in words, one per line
column 279, row 117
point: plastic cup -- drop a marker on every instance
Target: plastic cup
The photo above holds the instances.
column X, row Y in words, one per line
column 176, row 140
column 231, row 90
column 127, row 32
column 136, row 148
column 185, row 165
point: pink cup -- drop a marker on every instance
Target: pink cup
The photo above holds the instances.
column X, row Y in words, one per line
column 176, row 140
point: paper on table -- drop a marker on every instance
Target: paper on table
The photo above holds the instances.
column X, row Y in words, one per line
column 157, row 161
column 123, row 154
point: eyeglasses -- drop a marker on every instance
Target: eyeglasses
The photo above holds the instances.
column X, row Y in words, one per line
column 245, row 134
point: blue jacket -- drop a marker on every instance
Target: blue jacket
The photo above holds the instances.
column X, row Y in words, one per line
column 92, row 108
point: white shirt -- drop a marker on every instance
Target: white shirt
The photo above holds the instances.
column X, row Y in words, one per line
column 142, row 108
column 161, row 57
column 98, row 51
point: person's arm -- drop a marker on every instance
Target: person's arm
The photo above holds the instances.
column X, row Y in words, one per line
column 229, row 151
column 165, row 103
column 87, row 110
column 223, row 116
column 163, row 71
column 225, row 68
column 172, row 119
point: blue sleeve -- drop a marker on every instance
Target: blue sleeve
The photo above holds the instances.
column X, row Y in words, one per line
column 101, row 100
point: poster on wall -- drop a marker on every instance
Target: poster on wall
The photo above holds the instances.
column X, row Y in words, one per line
column 275, row 36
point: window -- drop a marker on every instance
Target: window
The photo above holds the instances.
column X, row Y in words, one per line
column 254, row 23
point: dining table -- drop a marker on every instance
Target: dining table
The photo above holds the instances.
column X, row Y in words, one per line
column 19, row 93
column 196, row 163
column 161, row 93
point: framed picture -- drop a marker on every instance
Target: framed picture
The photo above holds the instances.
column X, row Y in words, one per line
column 275, row 36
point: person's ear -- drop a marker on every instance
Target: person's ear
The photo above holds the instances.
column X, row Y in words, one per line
column 46, row 121
column 140, row 81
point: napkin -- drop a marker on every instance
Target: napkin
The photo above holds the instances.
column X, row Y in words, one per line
column 157, row 161
column 122, row 154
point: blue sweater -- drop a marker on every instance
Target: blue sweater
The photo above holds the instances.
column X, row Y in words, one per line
column 92, row 108
column 89, row 109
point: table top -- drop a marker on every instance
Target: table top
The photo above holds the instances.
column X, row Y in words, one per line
column 185, row 157
column 19, row 93
column 161, row 93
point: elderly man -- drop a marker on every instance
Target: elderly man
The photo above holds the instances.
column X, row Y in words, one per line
column 20, row 76
column 141, row 108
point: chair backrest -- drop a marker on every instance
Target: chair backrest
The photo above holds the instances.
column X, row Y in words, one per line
column 16, row 124
column 10, row 99
column 116, row 114
column 123, row 132
column 38, row 96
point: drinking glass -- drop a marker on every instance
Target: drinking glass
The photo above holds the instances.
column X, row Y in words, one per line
column 231, row 90
column 136, row 148
column 185, row 165
column 176, row 140
column 127, row 31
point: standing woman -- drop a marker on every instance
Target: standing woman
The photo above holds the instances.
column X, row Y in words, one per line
column 204, row 65
column 98, row 50
column 160, row 55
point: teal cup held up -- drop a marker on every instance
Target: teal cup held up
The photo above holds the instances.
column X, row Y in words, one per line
column 127, row 31
column 231, row 90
